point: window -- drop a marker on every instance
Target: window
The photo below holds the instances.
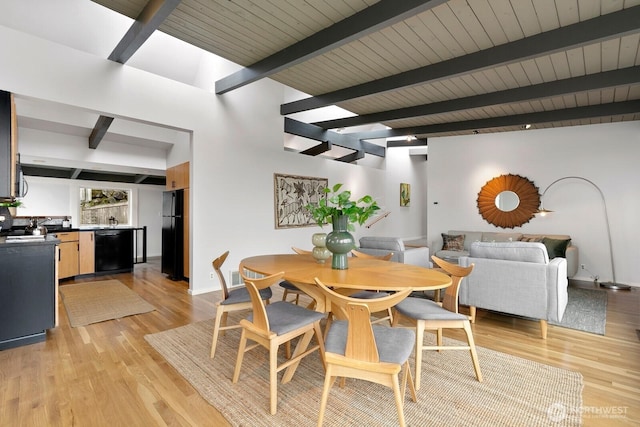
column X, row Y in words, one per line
column 100, row 206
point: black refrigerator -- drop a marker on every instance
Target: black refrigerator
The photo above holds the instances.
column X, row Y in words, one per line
column 172, row 229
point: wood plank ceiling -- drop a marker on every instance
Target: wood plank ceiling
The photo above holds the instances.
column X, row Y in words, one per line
column 429, row 68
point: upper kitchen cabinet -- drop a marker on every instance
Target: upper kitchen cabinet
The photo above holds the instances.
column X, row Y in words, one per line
column 8, row 146
column 178, row 177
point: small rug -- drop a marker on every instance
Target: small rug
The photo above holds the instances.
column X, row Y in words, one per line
column 515, row 391
column 94, row 302
column 586, row 310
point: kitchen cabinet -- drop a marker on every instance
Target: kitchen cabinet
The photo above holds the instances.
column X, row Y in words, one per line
column 8, row 146
column 28, row 292
column 87, row 252
column 94, row 251
column 178, row 177
column 68, row 260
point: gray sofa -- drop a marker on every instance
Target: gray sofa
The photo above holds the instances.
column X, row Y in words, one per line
column 571, row 253
column 515, row 278
column 407, row 255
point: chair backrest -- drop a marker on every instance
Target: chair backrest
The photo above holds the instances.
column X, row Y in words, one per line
column 359, row 254
column 361, row 343
column 217, row 263
column 300, row 251
column 457, row 273
column 254, row 285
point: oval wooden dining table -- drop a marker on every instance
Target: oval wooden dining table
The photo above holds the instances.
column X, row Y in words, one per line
column 362, row 274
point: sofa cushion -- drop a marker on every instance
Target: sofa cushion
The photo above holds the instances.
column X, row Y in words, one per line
column 556, row 247
column 541, row 236
column 500, row 237
column 391, row 244
column 511, row 251
column 469, row 237
column 452, row 242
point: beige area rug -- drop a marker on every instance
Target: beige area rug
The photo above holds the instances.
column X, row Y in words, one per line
column 98, row 301
column 515, row 392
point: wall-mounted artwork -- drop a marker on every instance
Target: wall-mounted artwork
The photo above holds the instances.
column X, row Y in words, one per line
column 291, row 195
column 405, row 194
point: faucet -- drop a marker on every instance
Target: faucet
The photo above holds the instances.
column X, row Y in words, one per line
column 43, row 221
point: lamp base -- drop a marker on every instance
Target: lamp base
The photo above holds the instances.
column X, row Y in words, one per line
column 615, row 286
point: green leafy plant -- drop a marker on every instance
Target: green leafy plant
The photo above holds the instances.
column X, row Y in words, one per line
column 340, row 203
column 10, row 203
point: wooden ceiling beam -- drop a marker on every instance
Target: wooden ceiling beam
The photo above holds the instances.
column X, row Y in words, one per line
column 151, row 17
column 323, row 147
column 609, row 79
column 305, row 130
column 350, row 158
column 412, row 143
column 577, row 113
column 99, row 131
column 369, row 20
column 594, row 30
column 139, row 179
column 75, row 173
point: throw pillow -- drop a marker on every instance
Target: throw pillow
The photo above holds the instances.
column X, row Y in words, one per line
column 452, row 242
column 531, row 239
column 556, row 247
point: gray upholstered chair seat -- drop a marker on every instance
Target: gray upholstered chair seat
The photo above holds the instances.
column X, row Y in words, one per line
column 241, row 294
column 394, row 344
column 285, row 317
column 369, row 294
column 288, row 285
column 424, row 309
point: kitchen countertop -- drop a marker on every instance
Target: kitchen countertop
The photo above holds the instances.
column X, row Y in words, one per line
column 47, row 240
column 51, row 233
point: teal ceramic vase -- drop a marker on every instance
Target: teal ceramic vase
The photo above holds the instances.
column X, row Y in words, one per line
column 340, row 242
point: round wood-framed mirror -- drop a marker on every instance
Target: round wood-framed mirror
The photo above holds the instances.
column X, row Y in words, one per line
column 508, row 201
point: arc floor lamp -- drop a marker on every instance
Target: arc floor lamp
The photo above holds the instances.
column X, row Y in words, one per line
column 542, row 211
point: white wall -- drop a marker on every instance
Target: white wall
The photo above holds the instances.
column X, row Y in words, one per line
column 236, row 147
column 606, row 154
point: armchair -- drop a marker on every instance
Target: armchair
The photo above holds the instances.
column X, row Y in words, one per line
column 374, row 245
column 516, row 278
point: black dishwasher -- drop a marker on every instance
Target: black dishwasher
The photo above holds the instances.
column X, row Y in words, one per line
column 114, row 250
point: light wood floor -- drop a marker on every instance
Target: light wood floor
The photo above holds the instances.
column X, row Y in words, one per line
column 107, row 375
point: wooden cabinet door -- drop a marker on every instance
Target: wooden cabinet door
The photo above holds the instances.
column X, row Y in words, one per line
column 68, row 259
column 178, row 177
column 182, row 175
column 171, row 179
column 87, row 253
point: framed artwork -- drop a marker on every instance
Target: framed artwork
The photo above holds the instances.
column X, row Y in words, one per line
column 405, row 194
column 291, row 194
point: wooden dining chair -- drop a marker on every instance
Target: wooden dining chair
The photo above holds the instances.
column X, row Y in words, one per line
column 235, row 300
column 275, row 324
column 354, row 348
column 358, row 254
column 430, row 315
column 290, row 288
column 373, row 294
